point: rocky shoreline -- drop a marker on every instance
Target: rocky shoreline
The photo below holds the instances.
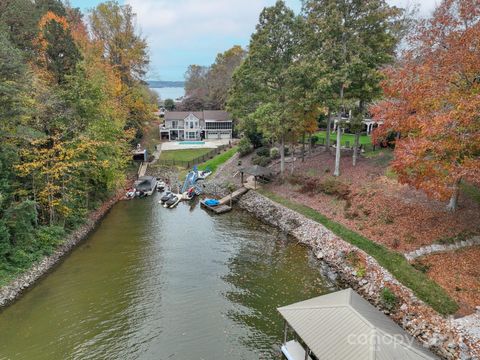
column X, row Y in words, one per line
column 443, row 336
column 17, row 287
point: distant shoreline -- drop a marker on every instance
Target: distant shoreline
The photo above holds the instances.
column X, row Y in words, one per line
column 158, row 84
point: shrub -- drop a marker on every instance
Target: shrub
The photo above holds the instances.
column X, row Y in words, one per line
column 386, row 218
column 295, row 179
column 314, row 139
column 388, row 299
column 49, row 237
column 335, row 187
column 310, row 185
column 274, row 153
column 420, row 266
column 261, row 160
column 245, row 147
column 263, row 151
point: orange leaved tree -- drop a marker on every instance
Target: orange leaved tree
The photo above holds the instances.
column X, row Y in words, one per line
column 432, row 99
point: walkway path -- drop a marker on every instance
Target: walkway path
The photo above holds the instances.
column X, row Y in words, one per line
column 144, row 165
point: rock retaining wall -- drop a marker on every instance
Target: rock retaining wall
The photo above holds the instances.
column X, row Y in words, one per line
column 439, row 248
column 13, row 290
column 442, row 336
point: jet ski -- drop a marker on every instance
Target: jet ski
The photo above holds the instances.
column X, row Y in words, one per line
column 173, row 200
column 160, row 186
column 167, row 196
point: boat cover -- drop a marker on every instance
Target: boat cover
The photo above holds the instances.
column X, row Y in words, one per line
column 212, row 202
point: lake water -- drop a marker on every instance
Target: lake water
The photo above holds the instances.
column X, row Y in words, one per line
column 170, row 92
column 156, row 283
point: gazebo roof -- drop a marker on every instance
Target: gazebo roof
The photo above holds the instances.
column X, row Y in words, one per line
column 342, row 325
column 256, row 170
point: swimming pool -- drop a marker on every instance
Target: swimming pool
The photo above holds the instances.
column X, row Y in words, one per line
column 191, row 143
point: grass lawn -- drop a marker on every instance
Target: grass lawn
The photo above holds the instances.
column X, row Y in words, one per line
column 183, row 154
column 218, row 160
column 423, row 287
column 364, row 139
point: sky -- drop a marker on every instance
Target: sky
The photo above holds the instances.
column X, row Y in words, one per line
column 185, row 32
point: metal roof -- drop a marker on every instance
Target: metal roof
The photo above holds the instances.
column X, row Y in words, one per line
column 343, row 325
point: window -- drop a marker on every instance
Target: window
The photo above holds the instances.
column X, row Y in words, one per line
column 218, row 125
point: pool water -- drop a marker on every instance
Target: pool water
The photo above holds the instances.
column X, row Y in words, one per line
column 191, row 143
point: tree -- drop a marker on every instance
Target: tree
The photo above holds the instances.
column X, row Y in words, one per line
column 432, row 101
column 207, row 87
column 113, row 25
column 169, row 104
column 354, row 39
column 219, row 76
column 58, row 52
column 271, row 51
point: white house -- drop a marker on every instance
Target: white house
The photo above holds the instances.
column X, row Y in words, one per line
column 196, row 125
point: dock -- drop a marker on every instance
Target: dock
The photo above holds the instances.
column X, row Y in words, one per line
column 234, row 196
column 222, row 207
column 219, row 209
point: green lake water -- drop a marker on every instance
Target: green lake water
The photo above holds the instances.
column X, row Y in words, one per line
column 156, row 283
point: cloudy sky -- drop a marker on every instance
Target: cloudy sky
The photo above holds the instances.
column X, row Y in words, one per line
column 184, row 32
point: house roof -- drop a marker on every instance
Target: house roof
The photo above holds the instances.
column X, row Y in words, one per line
column 209, row 115
column 181, row 115
column 216, row 115
column 342, row 325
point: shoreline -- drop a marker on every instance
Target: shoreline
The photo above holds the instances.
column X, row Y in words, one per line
column 440, row 335
column 16, row 288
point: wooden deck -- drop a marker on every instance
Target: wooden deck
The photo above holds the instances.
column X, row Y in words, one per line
column 219, row 209
column 235, row 195
column 222, row 207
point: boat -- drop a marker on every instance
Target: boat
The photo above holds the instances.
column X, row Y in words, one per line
column 167, row 196
column 145, row 185
column 130, row 193
column 202, row 175
column 179, row 198
column 160, row 185
column 172, row 201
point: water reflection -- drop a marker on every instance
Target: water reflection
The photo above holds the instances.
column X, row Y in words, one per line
column 156, row 283
column 269, row 270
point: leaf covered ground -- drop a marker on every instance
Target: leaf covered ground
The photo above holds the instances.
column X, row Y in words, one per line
column 368, row 200
column 376, row 205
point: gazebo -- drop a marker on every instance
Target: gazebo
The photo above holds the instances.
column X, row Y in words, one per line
column 256, row 171
column 343, row 325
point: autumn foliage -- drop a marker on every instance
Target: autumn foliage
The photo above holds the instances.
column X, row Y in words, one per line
column 69, row 113
column 432, row 99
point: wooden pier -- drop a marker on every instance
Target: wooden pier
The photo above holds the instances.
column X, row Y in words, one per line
column 222, row 206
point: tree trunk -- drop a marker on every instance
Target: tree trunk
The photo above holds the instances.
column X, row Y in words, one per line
column 453, row 203
column 329, row 129
column 282, row 155
column 355, row 147
column 303, row 147
column 310, row 143
column 293, row 159
column 338, row 152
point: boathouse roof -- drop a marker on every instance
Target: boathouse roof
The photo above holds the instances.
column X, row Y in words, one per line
column 343, row 325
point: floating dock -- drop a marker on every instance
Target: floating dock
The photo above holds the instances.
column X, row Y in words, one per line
column 219, row 209
column 222, row 206
column 234, row 196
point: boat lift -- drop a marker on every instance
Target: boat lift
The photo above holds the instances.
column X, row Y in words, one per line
column 343, row 325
